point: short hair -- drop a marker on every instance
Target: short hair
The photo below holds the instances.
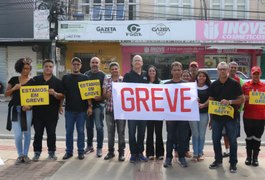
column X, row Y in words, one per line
column 114, row 64
column 177, row 64
column 136, row 57
column 47, row 61
column 222, row 64
column 21, row 62
column 76, row 59
column 233, row 63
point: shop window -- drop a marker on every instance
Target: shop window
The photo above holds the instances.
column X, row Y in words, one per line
column 96, row 13
column 120, row 13
column 108, row 12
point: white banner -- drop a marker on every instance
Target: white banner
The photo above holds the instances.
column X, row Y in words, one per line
column 138, row 101
column 41, row 24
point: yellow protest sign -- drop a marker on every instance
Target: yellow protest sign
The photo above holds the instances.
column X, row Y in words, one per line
column 257, row 98
column 215, row 107
column 89, row 89
column 34, row 95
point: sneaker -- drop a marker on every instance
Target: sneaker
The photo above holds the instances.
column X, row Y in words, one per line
column 215, row 165
column 133, row 159
column 200, row 158
column 99, row 152
column 81, row 156
column 233, row 168
column 167, row 162
column 195, row 158
column 226, row 155
column 160, row 157
column 255, row 162
column 182, row 162
column 67, row 156
column 109, row 156
column 121, row 157
column 89, row 149
column 248, row 161
column 141, row 157
column 19, row 160
column 52, row 156
column 36, row 157
column 26, row 159
column 151, row 157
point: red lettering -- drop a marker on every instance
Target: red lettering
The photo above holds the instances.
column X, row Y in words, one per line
column 184, row 98
column 172, row 106
column 154, row 99
column 131, row 100
column 141, row 99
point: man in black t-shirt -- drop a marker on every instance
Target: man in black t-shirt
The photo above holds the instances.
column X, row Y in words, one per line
column 98, row 104
column 228, row 92
column 46, row 116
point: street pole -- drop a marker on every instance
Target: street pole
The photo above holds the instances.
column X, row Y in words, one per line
column 53, row 57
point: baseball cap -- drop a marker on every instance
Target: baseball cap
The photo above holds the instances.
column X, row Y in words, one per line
column 255, row 69
column 76, row 59
column 194, row 63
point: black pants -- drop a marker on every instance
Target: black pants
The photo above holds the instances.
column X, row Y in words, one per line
column 154, row 127
column 50, row 125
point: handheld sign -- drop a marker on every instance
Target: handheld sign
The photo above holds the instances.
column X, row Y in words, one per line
column 215, row 107
column 34, row 95
column 89, row 89
column 257, row 98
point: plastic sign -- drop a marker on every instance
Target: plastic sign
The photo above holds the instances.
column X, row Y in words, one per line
column 215, row 107
column 257, row 98
column 34, row 95
column 89, row 89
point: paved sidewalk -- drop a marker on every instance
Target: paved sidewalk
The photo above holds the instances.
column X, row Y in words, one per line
column 97, row 168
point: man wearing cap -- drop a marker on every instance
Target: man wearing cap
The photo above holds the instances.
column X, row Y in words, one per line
column 76, row 109
column 227, row 92
column 193, row 68
column 254, row 116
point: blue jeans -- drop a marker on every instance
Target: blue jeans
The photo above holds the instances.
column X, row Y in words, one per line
column 72, row 118
column 97, row 118
column 231, row 132
column 16, row 126
column 136, row 145
column 198, row 129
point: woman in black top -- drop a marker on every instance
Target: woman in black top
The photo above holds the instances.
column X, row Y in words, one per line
column 154, row 126
column 20, row 117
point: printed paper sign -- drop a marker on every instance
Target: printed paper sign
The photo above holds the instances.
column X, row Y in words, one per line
column 34, row 95
column 136, row 101
column 89, row 89
column 257, row 98
column 215, row 107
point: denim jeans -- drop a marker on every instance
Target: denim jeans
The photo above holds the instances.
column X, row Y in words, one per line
column 72, row 118
column 136, row 145
column 231, row 132
column 198, row 129
column 111, row 125
column 97, row 117
column 178, row 134
column 16, row 126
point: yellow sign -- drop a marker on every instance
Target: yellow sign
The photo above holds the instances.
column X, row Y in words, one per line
column 89, row 89
column 257, row 98
column 34, row 95
column 215, row 107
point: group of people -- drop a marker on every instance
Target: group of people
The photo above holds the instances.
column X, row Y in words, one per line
column 87, row 113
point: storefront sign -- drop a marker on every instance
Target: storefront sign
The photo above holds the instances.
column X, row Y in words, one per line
column 34, row 95
column 156, row 101
column 89, row 89
column 215, row 107
column 257, row 98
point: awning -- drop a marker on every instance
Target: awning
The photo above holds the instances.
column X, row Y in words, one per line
column 235, row 47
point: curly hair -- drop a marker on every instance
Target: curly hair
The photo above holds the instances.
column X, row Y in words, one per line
column 21, row 63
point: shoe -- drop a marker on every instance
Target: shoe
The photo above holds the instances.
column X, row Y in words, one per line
column 176, row 154
column 67, row 156
column 99, row 152
column 133, row 159
column 255, row 162
column 233, row 168
column 19, row 160
column 167, row 162
column 36, row 157
column 215, row 165
column 182, row 162
column 141, row 157
column 121, row 157
column 160, row 157
column 200, row 158
column 188, row 154
column 151, row 157
column 226, row 155
column 195, row 158
column 52, row 156
column 81, row 156
column 26, row 159
column 248, row 162
column 89, row 149
column 109, row 156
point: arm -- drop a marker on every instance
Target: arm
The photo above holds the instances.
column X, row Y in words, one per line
column 238, row 101
column 10, row 89
column 90, row 107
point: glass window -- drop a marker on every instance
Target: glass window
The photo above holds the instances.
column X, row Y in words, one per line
column 186, row 10
column 108, row 12
column 120, row 1
column 86, row 9
column 173, row 12
column 97, row 1
column 96, row 13
column 161, row 12
column 241, row 11
column 132, row 12
column 228, row 13
column 120, row 12
column 85, row 1
column 216, row 11
column 108, row 1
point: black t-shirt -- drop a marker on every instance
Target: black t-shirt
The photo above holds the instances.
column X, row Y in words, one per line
column 16, row 94
column 203, row 94
column 230, row 90
column 93, row 76
column 52, row 109
column 73, row 98
column 173, row 82
column 133, row 77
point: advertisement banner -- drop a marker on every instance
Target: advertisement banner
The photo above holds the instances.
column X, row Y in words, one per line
column 34, row 95
column 89, row 89
column 136, row 101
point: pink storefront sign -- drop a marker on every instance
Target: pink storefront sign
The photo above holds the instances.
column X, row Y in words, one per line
column 253, row 31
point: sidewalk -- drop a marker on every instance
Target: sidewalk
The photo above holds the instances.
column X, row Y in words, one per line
column 97, row 168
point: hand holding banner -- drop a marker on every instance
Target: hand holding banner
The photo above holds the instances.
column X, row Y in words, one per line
column 34, row 95
column 257, row 98
column 89, row 89
column 215, row 107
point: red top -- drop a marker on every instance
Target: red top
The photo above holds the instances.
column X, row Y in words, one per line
column 251, row 111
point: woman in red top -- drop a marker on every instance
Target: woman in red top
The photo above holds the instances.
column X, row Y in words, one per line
column 254, row 117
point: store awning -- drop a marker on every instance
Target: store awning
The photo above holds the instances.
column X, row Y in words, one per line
column 235, row 47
